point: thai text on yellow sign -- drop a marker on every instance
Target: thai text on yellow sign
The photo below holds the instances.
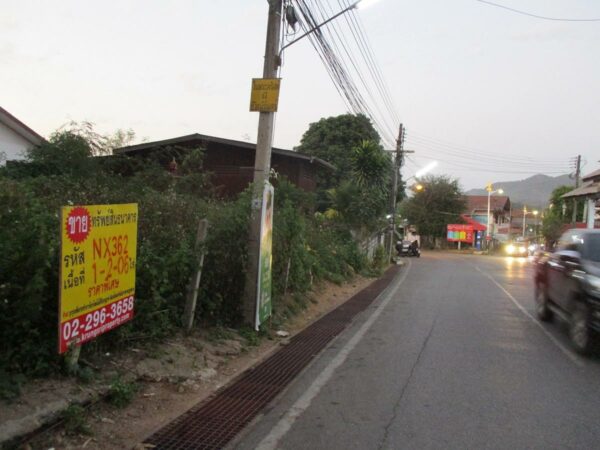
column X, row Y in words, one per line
column 97, row 270
column 265, row 94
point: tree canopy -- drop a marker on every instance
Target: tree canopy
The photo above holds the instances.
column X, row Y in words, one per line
column 333, row 139
column 559, row 213
column 439, row 203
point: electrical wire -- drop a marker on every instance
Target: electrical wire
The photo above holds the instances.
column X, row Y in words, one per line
column 537, row 16
column 534, row 165
column 483, row 168
column 342, row 65
column 345, row 46
column 475, row 151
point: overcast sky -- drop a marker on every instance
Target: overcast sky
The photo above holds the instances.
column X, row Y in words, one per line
column 482, row 90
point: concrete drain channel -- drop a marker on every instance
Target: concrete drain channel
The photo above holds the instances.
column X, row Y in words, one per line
column 217, row 420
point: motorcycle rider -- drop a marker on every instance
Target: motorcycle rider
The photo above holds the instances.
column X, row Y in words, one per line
column 414, row 248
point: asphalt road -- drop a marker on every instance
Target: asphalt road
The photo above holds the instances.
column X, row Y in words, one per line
column 450, row 357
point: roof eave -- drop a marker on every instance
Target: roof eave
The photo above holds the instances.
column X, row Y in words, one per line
column 242, row 144
column 20, row 128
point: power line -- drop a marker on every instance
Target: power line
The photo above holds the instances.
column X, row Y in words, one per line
column 476, row 151
column 340, row 61
column 482, row 168
column 497, row 161
column 353, row 62
column 537, row 16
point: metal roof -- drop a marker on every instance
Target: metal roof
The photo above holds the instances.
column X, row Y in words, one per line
column 587, row 189
column 591, row 176
column 218, row 140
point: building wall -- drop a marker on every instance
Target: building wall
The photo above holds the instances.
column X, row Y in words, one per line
column 12, row 145
column 233, row 169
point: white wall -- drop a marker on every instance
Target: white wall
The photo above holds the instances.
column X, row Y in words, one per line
column 12, row 145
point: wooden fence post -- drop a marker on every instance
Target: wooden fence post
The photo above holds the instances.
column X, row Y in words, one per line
column 192, row 297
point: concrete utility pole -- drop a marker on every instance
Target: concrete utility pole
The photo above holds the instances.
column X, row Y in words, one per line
column 577, row 175
column 397, row 165
column 262, row 162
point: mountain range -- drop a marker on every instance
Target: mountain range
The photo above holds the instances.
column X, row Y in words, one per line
column 534, row 191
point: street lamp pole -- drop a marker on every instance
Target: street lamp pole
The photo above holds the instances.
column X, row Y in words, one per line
column 524, row 218
column 490, row 191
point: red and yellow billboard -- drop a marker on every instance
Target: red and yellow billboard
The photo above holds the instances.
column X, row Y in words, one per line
column 97, row 270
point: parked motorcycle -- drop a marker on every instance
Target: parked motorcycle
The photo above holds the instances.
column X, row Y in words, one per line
column 407, row 248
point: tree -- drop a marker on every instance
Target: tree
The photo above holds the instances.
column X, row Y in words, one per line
column 362, row 200
column 439, row 203
column 559, row 213
column 562, row 207
column 100, row 144
column 333, row 139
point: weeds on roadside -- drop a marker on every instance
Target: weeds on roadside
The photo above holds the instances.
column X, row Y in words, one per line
column 74, row 418
column 121, row 393
column 252, row 337
column 217, row 334
column 10, row 385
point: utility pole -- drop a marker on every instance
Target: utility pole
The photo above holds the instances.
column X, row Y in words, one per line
column 397, row 165
column 577, row 175
column 262, row 162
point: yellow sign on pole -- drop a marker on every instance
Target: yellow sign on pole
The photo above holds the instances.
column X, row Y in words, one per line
column 97, row 270
column 265, row 94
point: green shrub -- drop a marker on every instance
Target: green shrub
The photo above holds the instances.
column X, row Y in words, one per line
column 121, row 393
column 74, row 420
column 61, row 172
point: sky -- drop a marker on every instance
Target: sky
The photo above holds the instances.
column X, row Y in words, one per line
column 486, row 92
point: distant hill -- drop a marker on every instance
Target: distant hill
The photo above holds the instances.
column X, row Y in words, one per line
column 533, row 191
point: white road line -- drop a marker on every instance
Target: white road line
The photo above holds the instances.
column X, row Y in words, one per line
column 572, row 356
column 285, row 423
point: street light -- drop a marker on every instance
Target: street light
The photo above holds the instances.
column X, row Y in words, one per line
column 535, row 212
column 490, row 190
column 359, row 4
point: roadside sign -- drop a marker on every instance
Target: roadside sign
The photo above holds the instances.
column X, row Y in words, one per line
column 97, row 270
column 263, row 294
column 460, row 233
column 265, row 94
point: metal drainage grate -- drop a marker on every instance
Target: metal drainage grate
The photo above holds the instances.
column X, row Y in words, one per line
column 216, row 421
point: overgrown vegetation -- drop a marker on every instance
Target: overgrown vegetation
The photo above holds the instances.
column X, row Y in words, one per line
column 121, row 393
column 357, row 194
column 63, row 171
column 559, row 214
column 75, row 420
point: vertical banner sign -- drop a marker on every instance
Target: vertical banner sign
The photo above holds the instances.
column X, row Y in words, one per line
column 263, row 295
column 97, row 270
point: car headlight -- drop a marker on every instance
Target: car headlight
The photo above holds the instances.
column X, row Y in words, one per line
column 510, row 249
column 522, row 249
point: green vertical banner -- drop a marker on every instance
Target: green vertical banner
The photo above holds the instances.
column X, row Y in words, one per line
column 263, row 297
